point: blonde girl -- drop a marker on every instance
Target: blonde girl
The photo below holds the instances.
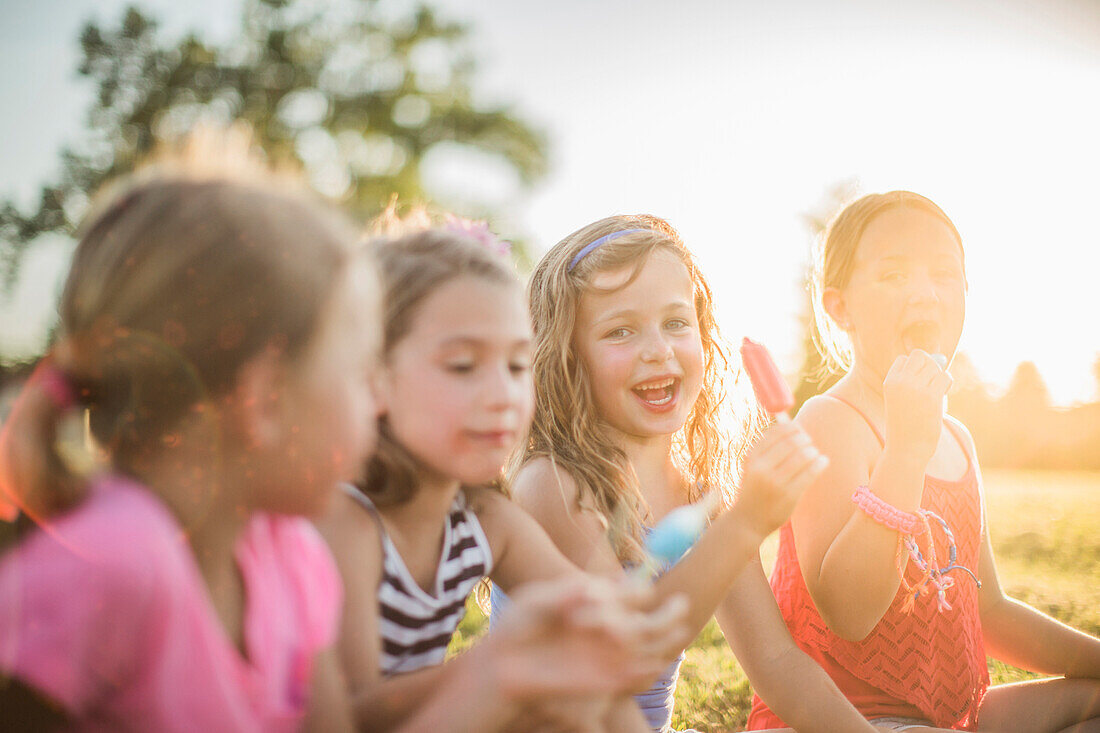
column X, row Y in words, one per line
column 426, row 522
column 219, row 333
column 903, row 493
column 629, row 375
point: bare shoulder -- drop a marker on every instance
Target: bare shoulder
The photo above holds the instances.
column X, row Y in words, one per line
column 488, row 503
column 842, row 434
column 545, row 489
column 550, row 494
column 826, row 415
column 352, row 534
column 838, row 431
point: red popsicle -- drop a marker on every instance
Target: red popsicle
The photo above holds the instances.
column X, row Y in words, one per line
column 768, row 384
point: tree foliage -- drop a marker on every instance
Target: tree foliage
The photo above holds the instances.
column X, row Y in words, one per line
column 354, row 94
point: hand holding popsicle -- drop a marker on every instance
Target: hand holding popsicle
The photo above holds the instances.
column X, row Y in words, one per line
column 779, row 469
column 784, row 462
column 914, row 391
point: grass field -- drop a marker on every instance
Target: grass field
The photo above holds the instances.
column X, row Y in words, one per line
column 1045, row 528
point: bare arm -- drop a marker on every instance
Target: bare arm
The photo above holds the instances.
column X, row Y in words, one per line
column 789, row 681
column 847, row 558
column 1021, row 635
column 329, row 708
column 779, row 468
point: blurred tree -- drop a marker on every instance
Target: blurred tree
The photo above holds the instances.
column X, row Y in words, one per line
column 1027, row 392
column 814, row 377
column 352, row 91
column 964, row 375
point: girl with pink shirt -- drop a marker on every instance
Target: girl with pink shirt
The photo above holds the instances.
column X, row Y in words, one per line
column 223, row 367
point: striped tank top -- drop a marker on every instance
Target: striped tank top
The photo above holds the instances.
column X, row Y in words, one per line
column 416, row 626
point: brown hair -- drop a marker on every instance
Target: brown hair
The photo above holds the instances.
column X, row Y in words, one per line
column 181, row 277
column 835, row 259
column 567, row 427
column 414, row 260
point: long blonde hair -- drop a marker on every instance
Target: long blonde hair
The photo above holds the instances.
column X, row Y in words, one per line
column 567, row 427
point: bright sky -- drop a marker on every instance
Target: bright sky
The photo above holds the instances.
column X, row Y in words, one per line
column 731, row 119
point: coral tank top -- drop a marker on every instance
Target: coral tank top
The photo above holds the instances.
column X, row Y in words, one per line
column 922, row 664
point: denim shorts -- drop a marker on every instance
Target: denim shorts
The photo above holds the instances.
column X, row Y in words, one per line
column 900, row 723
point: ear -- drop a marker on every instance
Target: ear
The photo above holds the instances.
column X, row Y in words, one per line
column 254, row 403
column 832, row 299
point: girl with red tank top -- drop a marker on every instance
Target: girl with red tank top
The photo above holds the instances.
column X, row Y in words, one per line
column 878, row 571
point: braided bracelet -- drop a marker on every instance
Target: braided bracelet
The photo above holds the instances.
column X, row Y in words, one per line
column 909, row 526
column 886, row 514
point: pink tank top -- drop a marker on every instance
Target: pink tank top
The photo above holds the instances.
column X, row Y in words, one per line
column 925, row 663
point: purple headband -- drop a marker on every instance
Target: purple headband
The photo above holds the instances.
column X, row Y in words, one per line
column 592, row 245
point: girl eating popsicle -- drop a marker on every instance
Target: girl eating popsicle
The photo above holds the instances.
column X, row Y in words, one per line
column 885, row 573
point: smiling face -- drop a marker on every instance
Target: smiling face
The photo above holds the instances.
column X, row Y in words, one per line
column 641, row 346
column 907, row 289
column 458, row 391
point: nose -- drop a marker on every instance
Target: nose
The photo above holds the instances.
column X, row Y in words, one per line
column 922, row 288
column 502, row 388
column 656, row 349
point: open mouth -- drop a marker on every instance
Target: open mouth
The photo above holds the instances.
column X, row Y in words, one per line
column 659, row 392
column 923, row 335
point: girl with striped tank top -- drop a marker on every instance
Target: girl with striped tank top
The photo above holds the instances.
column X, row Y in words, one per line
column 885, row 573
column 425, row 524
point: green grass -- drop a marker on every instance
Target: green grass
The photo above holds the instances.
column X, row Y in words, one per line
column 1045, row 528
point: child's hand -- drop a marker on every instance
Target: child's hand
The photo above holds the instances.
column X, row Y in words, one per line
column 780, row 467
column 583, row 638
column 913, row 390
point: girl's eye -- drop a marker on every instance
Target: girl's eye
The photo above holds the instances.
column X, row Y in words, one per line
column 519, row 368
column 676, row 323
column 893, row 276
column 617, row 333
column 460, row 367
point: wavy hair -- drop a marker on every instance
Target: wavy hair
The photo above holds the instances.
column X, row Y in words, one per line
column 567, row 427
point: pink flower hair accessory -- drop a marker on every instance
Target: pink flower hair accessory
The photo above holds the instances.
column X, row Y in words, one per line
column 479, row 231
